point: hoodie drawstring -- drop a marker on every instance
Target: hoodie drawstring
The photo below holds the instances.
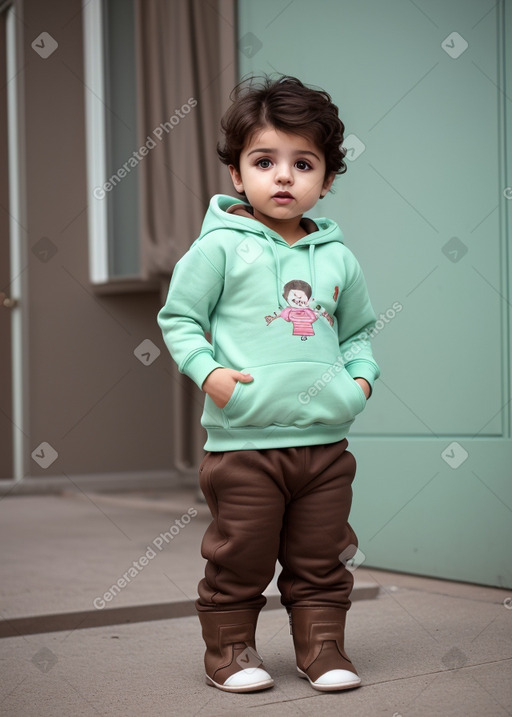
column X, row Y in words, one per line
column 279, row 293
column 312, row 269
column 279, row 288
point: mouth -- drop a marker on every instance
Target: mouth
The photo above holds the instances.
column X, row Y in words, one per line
column 282, row 197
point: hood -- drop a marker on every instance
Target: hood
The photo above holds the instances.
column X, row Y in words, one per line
column 225, row 212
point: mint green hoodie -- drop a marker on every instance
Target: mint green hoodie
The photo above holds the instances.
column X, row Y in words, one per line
column 294, row 317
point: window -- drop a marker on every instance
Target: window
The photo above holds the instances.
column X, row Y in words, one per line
column 111, row 139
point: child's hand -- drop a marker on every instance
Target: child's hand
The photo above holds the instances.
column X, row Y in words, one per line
column 221, row 382
column 364, row 385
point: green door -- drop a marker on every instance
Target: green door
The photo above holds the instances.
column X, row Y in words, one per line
column 425, row 206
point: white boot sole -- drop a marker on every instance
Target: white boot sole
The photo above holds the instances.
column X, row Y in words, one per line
column 356, row 682
column 263, row 685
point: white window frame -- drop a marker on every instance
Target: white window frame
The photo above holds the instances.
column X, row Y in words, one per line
column 18, row 241
column 95, row 132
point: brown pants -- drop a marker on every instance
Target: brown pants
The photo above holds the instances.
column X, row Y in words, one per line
column 290, row 504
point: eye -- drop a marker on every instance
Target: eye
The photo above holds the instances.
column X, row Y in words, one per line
column 263, row 163
column 302, row 164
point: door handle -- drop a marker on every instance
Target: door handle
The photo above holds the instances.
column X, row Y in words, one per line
column 7, row 302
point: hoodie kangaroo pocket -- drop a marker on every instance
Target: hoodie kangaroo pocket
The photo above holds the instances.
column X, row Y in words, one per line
column 299, row 393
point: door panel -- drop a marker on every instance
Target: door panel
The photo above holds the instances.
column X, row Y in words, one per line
column 422, row 91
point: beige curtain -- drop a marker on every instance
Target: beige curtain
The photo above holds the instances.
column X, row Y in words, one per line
column 186, row 68
column 186, row 57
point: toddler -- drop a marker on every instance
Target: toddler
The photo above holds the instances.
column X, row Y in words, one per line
column 288, row 368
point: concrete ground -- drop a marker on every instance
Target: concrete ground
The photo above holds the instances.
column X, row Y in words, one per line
column 97, row 618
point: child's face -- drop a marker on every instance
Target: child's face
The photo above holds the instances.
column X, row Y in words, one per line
column 282, row 175
column 296, row 297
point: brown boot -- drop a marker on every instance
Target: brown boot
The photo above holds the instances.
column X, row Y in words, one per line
column 231, row 661
column 318, row 637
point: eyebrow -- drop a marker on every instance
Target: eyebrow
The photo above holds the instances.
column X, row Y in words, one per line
column 268, row 150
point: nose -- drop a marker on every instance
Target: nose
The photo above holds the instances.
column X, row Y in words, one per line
column 283, row 174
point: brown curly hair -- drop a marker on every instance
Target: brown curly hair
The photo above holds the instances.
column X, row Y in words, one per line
column 287, row 105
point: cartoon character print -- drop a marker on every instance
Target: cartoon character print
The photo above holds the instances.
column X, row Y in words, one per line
column 297, row 294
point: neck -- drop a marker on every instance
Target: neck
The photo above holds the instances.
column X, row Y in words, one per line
column 291, row 230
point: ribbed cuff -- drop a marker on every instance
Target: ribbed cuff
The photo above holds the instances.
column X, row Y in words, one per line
column 360, row 368
column 200, row 366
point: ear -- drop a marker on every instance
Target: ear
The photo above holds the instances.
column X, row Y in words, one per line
column 327, row 184
column 236, row 178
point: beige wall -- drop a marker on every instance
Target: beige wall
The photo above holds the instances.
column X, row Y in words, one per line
column 89, row 396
